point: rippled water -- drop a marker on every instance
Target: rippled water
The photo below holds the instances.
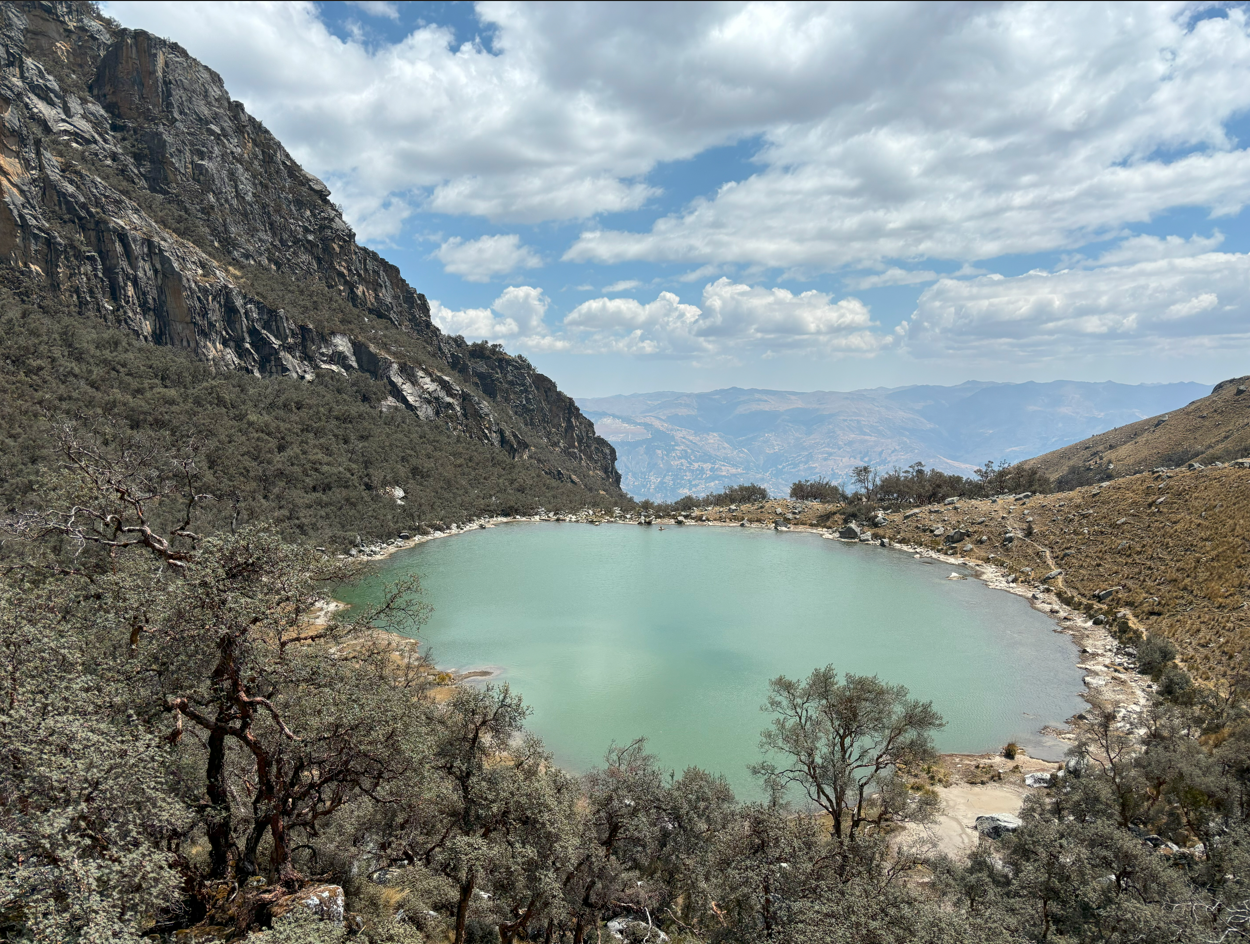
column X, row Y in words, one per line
column 619, row 631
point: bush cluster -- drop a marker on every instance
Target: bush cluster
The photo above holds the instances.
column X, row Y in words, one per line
column 188, row 743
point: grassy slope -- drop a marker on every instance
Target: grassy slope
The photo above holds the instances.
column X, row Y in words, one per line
column 1215, row 428
column 1182, row 567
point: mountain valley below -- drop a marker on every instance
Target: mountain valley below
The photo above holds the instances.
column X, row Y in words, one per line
column 674, row 444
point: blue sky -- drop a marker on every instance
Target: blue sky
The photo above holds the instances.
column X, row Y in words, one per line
column 686, row 197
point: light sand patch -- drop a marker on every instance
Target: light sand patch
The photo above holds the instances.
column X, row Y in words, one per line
column 980, row 785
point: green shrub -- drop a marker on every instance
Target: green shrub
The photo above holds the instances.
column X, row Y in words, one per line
column 1154, row 655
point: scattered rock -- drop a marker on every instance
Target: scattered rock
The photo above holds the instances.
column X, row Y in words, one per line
column 1037, row 780
column 325, row 901
column 635, row 932
column 997, row 825
column 1053, row 574
column 850, row 532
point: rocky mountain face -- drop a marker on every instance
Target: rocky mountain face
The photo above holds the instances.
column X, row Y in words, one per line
column 671, row 444
column 135, row 189
column 1214, row 428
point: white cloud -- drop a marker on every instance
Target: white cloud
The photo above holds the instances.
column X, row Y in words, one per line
column 703, row 272
column 900, row 131
column 379, row 8
column 1144, row 248
column 515, row 316
column 1159, row 305
column 525, row 307
column 892, row 276
column 480, row 260
column 733, row 319
column 474, row 323
column 1005, row 129
column 622, row 286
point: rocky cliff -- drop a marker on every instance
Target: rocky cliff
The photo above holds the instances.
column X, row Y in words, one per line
column 140, row 193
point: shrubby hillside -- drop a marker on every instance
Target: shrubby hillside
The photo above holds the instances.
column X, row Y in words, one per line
column 139, row 196
column 190, row 751
column 316, row 460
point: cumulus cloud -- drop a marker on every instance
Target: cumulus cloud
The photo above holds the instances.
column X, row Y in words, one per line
column 480, row 260
column 901, row 131
column 733, row 319
column 1159, row 304
column 1011, row 129
column 515, row 316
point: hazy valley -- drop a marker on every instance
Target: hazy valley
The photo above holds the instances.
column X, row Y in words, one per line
column 673, row 444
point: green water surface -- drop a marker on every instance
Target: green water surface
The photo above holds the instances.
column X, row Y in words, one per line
column 619, row 631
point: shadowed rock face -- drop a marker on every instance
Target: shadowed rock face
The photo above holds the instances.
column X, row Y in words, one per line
column 137, row 190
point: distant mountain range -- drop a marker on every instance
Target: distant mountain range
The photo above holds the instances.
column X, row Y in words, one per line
column 671, row 444
column 1215, row 428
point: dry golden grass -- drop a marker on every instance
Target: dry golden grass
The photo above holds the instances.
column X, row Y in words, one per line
column 1173, row 548
column 1215, row 428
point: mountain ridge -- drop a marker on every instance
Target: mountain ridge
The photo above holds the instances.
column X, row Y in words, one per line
column 1213, row 428
column 136, row 190
column 671, row 443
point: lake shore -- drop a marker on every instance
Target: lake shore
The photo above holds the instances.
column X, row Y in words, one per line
column 1109, row 679
column 976, row 784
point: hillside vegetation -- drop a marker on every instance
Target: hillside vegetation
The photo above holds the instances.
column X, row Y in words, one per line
column 191, row 752
column 315, row 461
column 1215, row 428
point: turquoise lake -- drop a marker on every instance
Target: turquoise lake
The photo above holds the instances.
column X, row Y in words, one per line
column 619, row 631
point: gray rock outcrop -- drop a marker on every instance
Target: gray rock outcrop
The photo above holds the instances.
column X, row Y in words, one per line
column 134, row 189
column 997, row 825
